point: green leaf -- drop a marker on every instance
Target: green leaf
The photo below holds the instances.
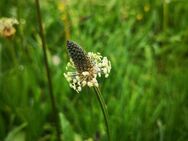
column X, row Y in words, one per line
column 17, row 134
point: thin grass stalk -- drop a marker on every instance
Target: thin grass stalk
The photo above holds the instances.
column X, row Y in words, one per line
column 104, row 110
column 165, row 15
column 53, row 104
column 66, row 22
column 64, row 17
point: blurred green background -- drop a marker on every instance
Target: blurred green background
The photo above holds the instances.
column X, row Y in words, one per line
column 146, row 92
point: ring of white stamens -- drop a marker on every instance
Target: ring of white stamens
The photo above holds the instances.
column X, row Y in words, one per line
column 77, row 80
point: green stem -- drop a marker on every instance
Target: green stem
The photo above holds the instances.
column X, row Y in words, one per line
column 104, row 110
column 53, row 104
column 165, row 15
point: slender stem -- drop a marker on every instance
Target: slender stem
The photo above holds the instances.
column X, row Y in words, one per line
column 66, row 22
column 53, row 104
column 104, row 109
column 165, row 15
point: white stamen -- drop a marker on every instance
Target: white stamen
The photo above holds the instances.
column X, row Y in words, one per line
column 85, row 73
column 101, row 66
column 89, row 84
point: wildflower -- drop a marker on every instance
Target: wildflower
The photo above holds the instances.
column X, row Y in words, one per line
column 84, row 68
column 7, row 27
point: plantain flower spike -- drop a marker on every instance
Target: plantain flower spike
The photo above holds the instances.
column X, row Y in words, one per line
column 84, row 68
column 7, row 26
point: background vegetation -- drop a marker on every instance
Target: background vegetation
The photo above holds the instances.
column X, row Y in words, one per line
column 146, row 92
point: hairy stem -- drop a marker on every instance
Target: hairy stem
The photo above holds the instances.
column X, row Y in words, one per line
column 104, row 110
column 53, row 104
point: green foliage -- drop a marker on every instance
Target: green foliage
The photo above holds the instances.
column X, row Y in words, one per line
column 146, row 92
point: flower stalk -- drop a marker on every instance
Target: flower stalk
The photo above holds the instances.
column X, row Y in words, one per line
column 53, row 104
column 83, row 69
column 104, row 110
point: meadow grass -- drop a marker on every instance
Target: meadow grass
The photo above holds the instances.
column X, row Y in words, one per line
column 146, row 92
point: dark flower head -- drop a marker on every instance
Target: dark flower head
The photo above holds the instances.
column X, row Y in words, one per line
column 79, row 57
